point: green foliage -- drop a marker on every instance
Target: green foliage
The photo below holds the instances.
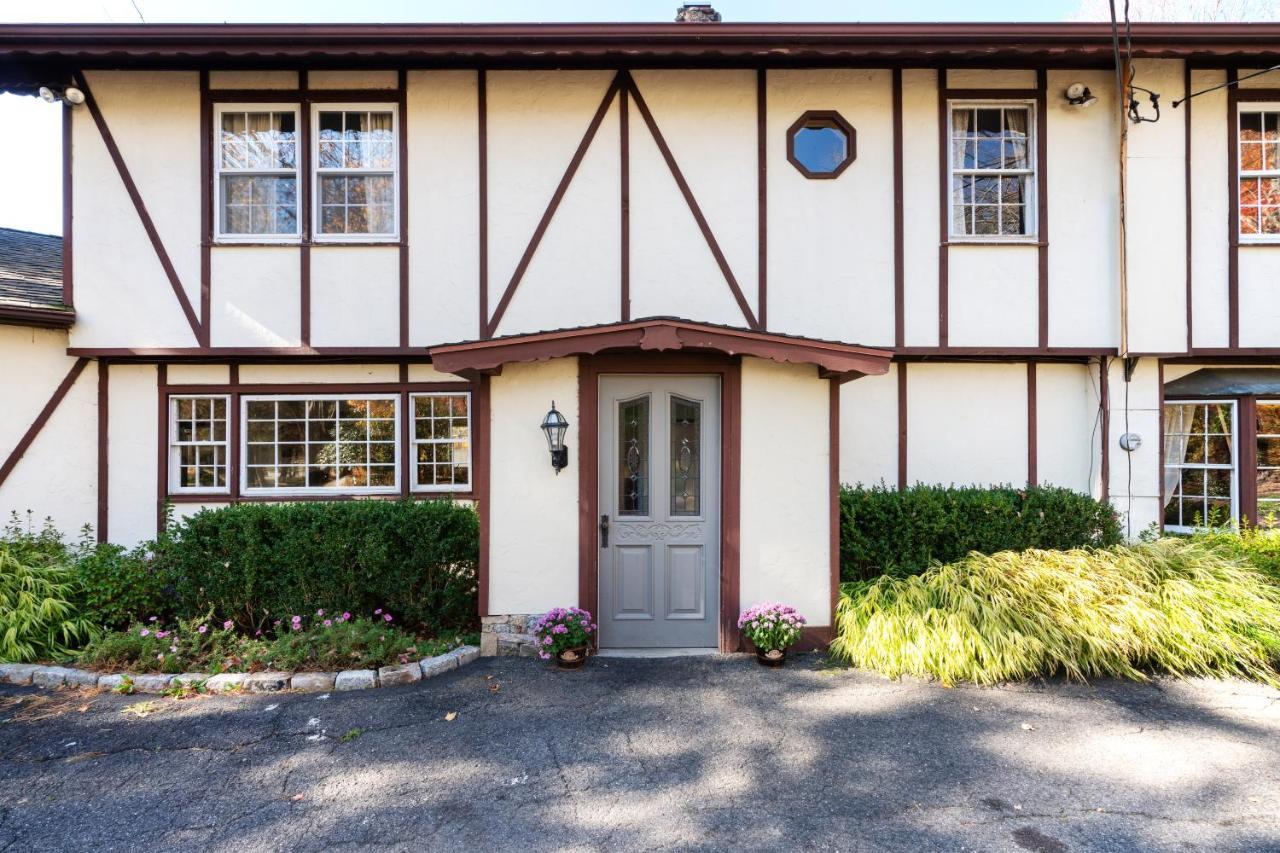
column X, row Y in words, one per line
column 886, row 531
column 256, row 562
column 1173, row 605
column 188, row 645
column 119, row 586
column 1258, row 546
column 38, row 616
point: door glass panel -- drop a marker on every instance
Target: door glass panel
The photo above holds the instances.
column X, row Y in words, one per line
column 633, row 457
column 686, row 457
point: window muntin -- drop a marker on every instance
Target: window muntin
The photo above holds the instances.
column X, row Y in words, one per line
column 198, row 444
column 441, row 441
column 356, row 164
column 993, row 166
column 1200, row 486
column 256, row 172
column 1259, row 172
column 324, row 443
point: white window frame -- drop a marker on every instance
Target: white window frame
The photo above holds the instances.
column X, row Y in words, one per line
column 174, row 446
column 1234, row 467
column 415, row 442
column 1242, row 174
column 250, row 491
column 1031, row 205
column 218, row 172
column 316, row 171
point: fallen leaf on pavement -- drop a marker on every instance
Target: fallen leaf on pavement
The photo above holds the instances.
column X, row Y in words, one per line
column 451, row 716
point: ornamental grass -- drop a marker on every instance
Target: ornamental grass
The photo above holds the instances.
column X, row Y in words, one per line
column 1174, row 605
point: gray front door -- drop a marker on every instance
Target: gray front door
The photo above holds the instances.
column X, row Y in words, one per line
column 660, row 492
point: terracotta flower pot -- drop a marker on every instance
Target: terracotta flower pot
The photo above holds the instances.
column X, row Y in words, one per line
column 771, row 657
column 572, row 658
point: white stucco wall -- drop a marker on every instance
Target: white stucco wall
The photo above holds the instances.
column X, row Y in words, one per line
column 1209, row 194
column 288, row 374
column 355, row 296
column 920, row 206
column 533, row 514
column 869, row 430
column 786, row 471
column 255, row 296
column 1068, row 426
column 1259, row 307
column 993, row 296
column 131, row 453
column 1135, row 407
column 57, row 477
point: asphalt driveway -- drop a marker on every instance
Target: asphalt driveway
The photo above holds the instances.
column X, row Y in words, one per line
column 712, row 753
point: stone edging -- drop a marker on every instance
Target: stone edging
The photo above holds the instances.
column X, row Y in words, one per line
column 36, row 675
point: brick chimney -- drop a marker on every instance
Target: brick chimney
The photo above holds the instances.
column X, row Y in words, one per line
column 697, row 13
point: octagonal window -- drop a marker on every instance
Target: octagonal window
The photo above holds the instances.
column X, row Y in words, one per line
column 821, row 144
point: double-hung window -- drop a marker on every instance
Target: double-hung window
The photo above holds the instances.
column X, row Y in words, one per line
column 441, row 442
column 321, row 443
column 356, row 165
column 1259, row 175
column 993, row 166
column 198, row 444
column 1200, row 483
column 256, row 173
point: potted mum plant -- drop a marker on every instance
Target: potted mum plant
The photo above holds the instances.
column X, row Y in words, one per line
column 772, row 629
column 564, row 633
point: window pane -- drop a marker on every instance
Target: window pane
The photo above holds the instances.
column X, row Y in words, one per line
column 442, row 439
column 1199, row 475
column 259, row 204
column 820, row 147
column 198, row 443
column 686, row 457
column 633, row 457
column 308, row 446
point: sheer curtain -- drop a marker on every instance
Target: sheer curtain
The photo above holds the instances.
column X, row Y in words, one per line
column 1178, row 419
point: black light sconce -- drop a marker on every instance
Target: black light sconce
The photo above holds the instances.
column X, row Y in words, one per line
column 555, row 426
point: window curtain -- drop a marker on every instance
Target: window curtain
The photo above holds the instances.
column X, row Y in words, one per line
column 1178, row 420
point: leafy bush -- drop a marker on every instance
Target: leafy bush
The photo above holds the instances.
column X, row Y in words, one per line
column 1174, row 605
column 886, row 531
column 1258, row 546
column 254, row 562
column 38, row 616
column 186, row 646
column 119, row 586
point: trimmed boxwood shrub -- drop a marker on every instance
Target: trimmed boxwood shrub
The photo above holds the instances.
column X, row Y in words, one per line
column 886, row 531
column 254, row 563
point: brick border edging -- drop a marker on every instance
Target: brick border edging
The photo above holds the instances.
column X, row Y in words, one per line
column 37, row 675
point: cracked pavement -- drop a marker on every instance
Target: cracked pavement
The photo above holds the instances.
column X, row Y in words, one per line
column 682, row 753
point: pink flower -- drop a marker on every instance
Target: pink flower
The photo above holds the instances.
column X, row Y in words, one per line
column 546, row 641
column 319, row 612
column 386, row 617
column 295, row 620
column 378, row 612
column 226, row 626
column 276, row 624
column 173, row 648
column 328, row 623
column 153, row 618
column 345, row 616
column 160, row 635
column 144, row 632
column 202, row 629
column 544, row 655
column 257, row 633
column 559, row 629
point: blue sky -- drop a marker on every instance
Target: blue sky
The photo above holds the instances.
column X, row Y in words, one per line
column 32, row 199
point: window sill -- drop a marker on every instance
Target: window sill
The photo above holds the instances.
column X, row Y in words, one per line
column 1032, row 241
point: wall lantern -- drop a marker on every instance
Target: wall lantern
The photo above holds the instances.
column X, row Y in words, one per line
column 70, row 95
column 555, row 425
column 1078, row 95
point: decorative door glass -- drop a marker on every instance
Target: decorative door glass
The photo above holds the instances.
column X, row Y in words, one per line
column 686, row 457
column 633, row 456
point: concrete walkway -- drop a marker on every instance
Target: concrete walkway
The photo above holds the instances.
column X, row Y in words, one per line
column 684, row 753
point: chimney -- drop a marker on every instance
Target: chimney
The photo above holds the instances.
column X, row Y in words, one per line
column 697, row 13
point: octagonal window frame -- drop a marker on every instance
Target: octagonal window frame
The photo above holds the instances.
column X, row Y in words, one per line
column 824, row 118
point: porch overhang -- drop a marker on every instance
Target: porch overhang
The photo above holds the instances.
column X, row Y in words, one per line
column 835, row 360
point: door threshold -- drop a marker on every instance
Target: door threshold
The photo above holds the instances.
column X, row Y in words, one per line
column 656, row 653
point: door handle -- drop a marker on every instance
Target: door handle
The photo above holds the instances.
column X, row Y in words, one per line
column 604, row 531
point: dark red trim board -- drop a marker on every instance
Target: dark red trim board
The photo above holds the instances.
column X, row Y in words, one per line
column 624, row 195
column 901, row 368
column 1104, row 391
column 162, row 446
column 42, row 418
column 304, row 210
column 1248, row 474
column 1186, row 181
column 1033, row 453
column 483, row 451
column 1042, row 205
column 140, row 206
column 833, row 543
column 944, row 192
column 1233, row 214
column 402, row 119
column 206, row 208
column 762, row 202
column 68, row 175
column 104, row 458
column 899, row 253
column 482, row 119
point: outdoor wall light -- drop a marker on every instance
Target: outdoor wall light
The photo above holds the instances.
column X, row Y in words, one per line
column 71, row 95
column 555, row 425
column 1078, row 95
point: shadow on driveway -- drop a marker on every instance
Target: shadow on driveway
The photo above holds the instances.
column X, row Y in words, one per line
column 684, row 753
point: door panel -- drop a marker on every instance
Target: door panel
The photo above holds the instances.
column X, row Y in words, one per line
column 659, row 486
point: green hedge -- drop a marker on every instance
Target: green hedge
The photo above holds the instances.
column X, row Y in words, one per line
column 255, row 563
column 886, row 531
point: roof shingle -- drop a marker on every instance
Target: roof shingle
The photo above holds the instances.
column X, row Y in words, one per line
column 30, row 270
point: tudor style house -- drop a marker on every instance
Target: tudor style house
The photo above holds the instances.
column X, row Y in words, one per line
column 728, row 266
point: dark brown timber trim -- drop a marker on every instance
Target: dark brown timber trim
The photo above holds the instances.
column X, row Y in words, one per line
column 233, row 480
column 41, row 318
column 1042, row 204
column 68, row 247
column 1160, row 437
column 1033, row 451
column 730, row 372
column 140, row 206
column 1104, row 391
column 206, row 209
column 944, row 192
column 481, row 487
column 304, row 205
column 104, row 458
column 762, row 196
column 1248, row 416
column 554, row 203
column 1233, row 212
column 1186, row 180
column 833, row 541
column 162, row 445
column 692, row 202
column 42, row 418
column 899, row 254
column 624, row 237
column 482, row 119
column 902, row 425
column 402, row 119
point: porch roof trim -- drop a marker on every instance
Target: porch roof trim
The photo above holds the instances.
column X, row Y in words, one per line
column 841, row 361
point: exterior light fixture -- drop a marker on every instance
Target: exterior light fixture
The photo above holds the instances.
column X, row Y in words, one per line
column 70, row 95
column 554, row 426
column 1078, row 95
